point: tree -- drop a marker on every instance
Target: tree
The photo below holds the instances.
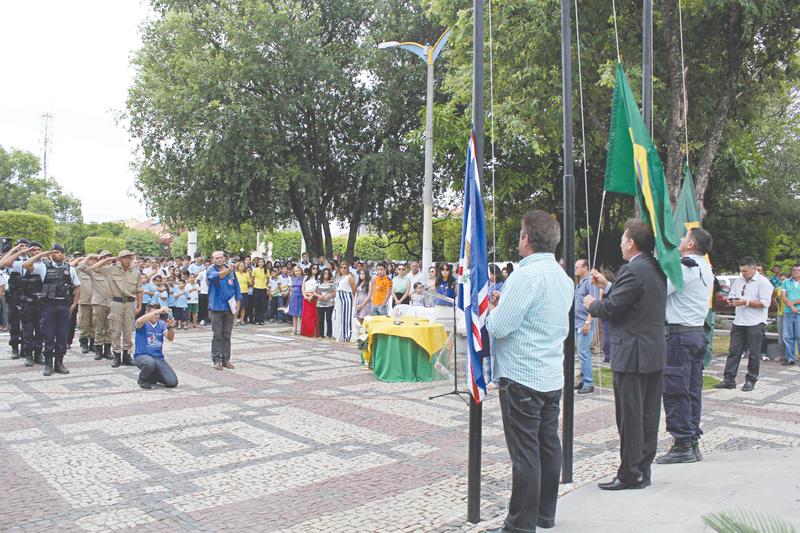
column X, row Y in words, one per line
column 272, row 112
column 21, row 188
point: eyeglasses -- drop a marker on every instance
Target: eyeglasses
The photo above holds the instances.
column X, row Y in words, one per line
column 445, row 268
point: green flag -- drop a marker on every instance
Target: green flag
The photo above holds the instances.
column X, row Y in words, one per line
column 634, row 168
column 687, row 216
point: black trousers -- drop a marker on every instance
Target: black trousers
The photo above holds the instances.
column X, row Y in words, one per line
column 202, row 311
column 56, row 319
column 325, row 321
column 260, row 302
column 530, row 423
column 637, row 399
column 744, row 338
column 221, row 328
column 14, row 323
column 31, row 318
column 73, row 324
column 683, row 384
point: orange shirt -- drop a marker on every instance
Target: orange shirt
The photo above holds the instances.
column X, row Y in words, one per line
column 382, row 287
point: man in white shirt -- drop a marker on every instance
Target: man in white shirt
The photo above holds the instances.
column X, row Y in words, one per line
column 750, row 294
column 416, row 275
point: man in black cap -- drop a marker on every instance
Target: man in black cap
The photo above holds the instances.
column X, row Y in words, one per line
column 28, row 299
column 60, row 292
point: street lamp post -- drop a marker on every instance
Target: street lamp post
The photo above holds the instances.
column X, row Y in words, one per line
column 428, row 54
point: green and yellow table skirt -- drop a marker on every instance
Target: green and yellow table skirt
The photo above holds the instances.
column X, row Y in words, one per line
column 402, row 352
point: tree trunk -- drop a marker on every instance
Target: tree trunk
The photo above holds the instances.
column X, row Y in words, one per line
column 735, row 49
column 326, row 231
column 352, row 236
column 676, row 128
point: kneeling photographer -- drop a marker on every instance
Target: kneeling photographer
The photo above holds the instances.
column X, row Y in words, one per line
column 151, row 329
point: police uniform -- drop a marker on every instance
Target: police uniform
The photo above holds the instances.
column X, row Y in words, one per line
column 101, row 304
column 686, row 311
column 13, row 299
column 30, row 310
column 60, row 281
column 85, row 312
column 124, row 288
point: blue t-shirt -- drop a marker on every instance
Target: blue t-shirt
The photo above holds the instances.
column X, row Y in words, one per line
column 150, row 339
column 146, row 298
column 181, row 300
column 171, row 296
column 160, row 298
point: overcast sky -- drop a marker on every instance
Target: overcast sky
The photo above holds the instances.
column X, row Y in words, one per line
column 71, row 58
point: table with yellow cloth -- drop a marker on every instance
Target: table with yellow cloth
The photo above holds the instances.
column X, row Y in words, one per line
column 402, row 352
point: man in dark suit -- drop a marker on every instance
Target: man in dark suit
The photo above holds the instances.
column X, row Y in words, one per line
column 635, row 305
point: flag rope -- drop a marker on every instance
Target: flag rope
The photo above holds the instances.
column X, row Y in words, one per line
column 491, row 134
column 583, row 139
column 683, row 83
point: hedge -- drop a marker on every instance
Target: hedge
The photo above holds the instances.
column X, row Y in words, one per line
column 19, row 224
column 113, row 244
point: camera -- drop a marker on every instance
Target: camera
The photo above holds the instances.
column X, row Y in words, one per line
column 6, row 243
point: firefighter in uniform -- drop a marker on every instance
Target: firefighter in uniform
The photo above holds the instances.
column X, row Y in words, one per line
column 73, row 322
column 28, row 299
column 60, row 294
column 125, row 288
column 85, row 306
column 13, row 298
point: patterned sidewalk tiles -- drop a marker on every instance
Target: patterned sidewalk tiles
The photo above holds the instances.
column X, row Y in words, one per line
column 297, row 438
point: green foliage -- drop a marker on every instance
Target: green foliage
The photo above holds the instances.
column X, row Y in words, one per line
column 114, row 245
column 371, row 247
column 285, row 244
column 22, row 189
column 741, row 521
column 786, row 251
column 180, row 244
column 143, row 242
column 32, row 226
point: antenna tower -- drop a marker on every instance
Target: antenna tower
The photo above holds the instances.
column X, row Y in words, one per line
column 46, row 140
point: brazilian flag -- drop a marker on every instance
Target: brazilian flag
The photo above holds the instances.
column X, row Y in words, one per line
column 634, row 168
column 687, row 216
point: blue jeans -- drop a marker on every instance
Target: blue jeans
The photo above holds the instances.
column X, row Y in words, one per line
column 583, row 343
column 155, row 370
column 791, row 335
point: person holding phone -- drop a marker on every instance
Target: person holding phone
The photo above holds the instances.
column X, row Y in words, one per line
column 151, row 329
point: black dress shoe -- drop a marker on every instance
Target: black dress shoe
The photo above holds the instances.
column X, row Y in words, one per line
column 586, row 390
column 747, row 387
column 725, row 385
column 579, row 385
column 145, row 384
column 545, row 523
column 616, row 484
column 681, row 452
column 787, row 363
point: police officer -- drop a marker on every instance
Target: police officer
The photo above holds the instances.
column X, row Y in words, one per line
column 125, row 288
column 686, row 348
column 101, row 303
column 73, row 321
column 85, row 307
column 60, row 294
column 28, row 299
column 13, row 299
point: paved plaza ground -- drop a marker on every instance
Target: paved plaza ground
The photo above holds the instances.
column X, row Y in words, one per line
column 300, row 438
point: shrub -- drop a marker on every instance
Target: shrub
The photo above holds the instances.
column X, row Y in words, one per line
column 112, row 244
column 19, row 224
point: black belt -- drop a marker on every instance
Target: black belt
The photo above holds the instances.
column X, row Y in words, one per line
column 680, row 328
column 123, row 299
column 57, row 300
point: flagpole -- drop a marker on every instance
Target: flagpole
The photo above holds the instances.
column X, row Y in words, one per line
column 568, row 241
column 647, row 64
column 476, row 409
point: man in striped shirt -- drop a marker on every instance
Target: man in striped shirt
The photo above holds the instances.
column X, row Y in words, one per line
column 529, row 325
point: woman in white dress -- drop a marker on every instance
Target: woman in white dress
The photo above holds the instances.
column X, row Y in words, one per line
column 345, row 288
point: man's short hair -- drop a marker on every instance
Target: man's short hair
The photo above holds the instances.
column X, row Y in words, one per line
column 640, row 234
column 543, row 231
column 381, row 264
column 748, row 261
column 702, row 240
column 584, row 262
column 197, row 254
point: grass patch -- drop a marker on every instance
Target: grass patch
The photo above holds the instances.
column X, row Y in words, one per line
column 603, row 377
column 720, row 344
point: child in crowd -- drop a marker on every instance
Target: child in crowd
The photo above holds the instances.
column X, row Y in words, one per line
column 275, row 298
column 181, row 305
column 192, row 299
column 418, row 296
column 285, row 284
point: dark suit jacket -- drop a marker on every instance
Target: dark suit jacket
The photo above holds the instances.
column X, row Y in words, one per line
column 636, row 307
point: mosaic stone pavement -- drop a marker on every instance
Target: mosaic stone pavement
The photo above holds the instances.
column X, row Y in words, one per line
column 297, row 438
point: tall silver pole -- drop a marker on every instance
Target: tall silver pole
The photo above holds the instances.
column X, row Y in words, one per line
column 427, row 197
column 476, row 409
column 647, row 65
